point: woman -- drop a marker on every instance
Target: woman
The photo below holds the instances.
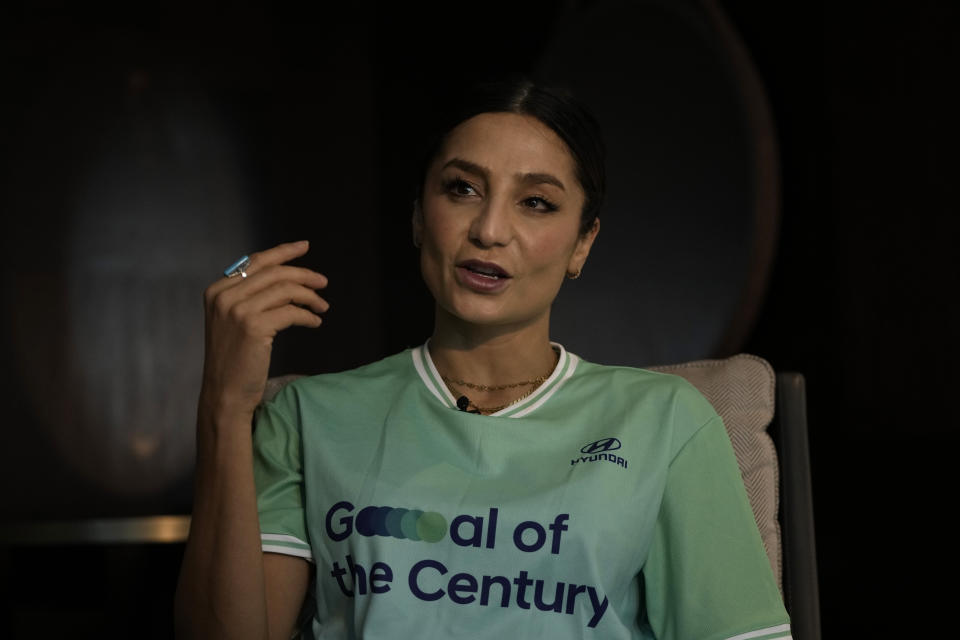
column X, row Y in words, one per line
column 488, row 483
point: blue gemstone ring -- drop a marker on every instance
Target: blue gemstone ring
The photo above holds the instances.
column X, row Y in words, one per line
column 238, row 268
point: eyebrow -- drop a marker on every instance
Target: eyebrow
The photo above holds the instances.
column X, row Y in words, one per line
column 528, row 178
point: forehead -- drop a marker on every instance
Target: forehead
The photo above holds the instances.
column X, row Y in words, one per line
column 510, row 143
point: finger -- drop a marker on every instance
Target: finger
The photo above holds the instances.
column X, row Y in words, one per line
column 225, row 295
column 262, row 259
column 277, row 255
column 277, row 320
column 280, row 295
column 279, row 273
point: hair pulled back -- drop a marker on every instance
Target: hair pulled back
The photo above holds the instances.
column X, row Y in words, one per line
column 555, row 108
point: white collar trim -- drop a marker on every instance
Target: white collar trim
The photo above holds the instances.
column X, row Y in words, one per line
column 566, row 364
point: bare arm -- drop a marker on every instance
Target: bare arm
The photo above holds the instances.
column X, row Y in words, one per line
column 228, row 588
column 286, row 579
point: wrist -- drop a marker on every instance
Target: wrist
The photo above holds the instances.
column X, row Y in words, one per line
column 221, row 413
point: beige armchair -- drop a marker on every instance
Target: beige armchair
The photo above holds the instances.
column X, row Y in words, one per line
column 750, row 397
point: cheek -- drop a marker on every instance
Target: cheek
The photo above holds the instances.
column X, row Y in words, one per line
column 439, row 246
column 552, row 253
column 439, row 231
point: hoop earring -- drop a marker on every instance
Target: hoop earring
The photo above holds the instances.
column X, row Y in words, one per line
column 574, row 275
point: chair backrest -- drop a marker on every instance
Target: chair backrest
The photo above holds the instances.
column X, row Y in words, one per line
column 275, row 384
column 742, row 390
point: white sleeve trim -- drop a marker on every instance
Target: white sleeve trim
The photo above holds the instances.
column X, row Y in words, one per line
column 278, row 537
column 281, row 542
column 289, row 551
column 769, row 631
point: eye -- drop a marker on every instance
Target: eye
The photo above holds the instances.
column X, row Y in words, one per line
column 539, row 203
column 459, row 187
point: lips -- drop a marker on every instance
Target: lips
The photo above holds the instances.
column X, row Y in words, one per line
column 482, row 277
column 485, row 269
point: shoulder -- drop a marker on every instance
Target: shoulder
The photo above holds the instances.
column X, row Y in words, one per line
column 652, row 397
column 370, row 380
column 636, row 383
column 633, row 376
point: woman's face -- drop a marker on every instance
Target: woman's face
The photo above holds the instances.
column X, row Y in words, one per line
column 500, row 221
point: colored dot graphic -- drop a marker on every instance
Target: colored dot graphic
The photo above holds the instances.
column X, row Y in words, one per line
column 405, row 524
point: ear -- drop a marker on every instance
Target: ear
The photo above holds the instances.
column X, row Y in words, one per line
column 582, row 250
column 417, row 223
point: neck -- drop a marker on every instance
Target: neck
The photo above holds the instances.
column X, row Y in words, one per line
column 491, row 355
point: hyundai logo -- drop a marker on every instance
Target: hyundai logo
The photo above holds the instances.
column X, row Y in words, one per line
column 606, row 444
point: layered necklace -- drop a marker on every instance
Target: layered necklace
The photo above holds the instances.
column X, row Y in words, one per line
column 465, row 404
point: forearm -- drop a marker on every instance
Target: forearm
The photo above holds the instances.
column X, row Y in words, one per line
column 221, row 592
column 222, row 587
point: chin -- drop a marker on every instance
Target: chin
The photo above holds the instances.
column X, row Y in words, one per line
column 490, row 313
column 478, row 312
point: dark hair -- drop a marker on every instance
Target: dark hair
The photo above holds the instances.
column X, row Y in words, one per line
column 557, row 109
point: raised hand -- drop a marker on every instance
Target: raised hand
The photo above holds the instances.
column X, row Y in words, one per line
column 243, row 315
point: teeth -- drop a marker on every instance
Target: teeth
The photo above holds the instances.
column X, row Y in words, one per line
column 489, row 274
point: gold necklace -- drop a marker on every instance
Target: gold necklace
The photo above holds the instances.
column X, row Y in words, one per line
column 536, row 382
column 479, row 409
column 498, row 387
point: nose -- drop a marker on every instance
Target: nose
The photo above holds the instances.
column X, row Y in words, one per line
column 492, row 226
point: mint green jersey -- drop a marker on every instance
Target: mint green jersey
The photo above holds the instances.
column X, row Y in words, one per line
column 607, row 504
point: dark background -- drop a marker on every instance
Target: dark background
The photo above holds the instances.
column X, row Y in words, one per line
column 863, row 297
column 264, row 125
